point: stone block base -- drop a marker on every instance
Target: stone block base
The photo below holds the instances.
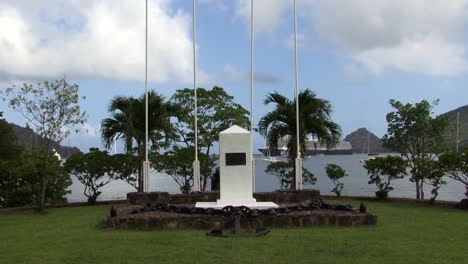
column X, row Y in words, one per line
column 171, row 220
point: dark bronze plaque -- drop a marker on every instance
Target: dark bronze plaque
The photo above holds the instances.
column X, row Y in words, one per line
column 235, row 159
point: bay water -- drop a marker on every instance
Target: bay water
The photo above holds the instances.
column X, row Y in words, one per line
column 355, row 184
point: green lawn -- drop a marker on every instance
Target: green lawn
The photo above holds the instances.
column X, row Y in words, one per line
column 405, row 233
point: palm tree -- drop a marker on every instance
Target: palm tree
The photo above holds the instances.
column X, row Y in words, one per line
column 127, row 123
column 314, row 118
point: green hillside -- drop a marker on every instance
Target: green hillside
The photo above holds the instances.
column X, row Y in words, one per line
column 451, row 133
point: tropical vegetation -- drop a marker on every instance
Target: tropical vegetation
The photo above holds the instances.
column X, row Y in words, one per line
column 335, row 173
column 315, row 121
column 285, row 174
column 53, row 110
column 217, row 111
column 94, row 170
column 383, row 170
column 127, row 123
column 417, row 135
column 455, row 164
column 314, row 117
column 178, row 163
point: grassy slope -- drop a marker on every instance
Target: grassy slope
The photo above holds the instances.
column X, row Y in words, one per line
column 405, row 233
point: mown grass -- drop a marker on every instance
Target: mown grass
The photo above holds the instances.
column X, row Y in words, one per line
column 405, row 233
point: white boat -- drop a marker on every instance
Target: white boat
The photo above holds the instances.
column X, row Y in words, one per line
column 274, row 159
column 283, row 152
column 313, row 147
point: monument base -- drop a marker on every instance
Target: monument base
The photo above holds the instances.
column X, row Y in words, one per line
column 251, row 204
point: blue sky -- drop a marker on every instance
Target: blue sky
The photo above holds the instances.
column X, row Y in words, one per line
column 357, row 54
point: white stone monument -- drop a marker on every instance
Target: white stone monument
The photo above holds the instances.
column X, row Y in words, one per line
column 235, row 162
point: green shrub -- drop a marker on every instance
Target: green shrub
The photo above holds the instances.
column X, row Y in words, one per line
column 382, row 170
column 335, row 173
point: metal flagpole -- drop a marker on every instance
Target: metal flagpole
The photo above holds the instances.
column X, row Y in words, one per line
column 196, row 162
column 298, row 163
column 146, row 162
column 252, row 88
column 458, row 129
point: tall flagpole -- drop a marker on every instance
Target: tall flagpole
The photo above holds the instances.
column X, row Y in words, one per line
column 146, row 162
column 196, row 162
column 252, row 88
column 458, row 130
column 298, row 163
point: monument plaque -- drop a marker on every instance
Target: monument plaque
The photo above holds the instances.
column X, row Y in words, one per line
column 235, row 159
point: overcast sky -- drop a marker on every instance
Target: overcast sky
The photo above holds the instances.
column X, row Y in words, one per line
column 357, row 54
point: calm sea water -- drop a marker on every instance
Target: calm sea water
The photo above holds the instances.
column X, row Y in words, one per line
column 354, row 184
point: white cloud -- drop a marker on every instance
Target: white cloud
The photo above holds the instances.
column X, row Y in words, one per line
column 94, row 39
column 430, row 55
column 417, row 36
column 268, row 14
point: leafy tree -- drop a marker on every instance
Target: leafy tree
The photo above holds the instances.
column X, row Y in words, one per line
column 127, row 123
column 126, row 168
column 178, row 164
column 335, row 173
column 94, row 170
column 314, row 116
column 285, row 173
column 9, row 149
column 432, row 173
column 12, row 188
column 20, row 180
column 413, row 132
column 53, row 110
column 15, row 188
column 217, row 111
column 455, row 165
column 383, row 170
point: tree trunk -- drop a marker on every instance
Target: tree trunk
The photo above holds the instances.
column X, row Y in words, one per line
column 205, row 177
column 204, row 183
column 140, row 176
column 418, row 196
column 44, row 182
column 92, row 199
column 41, row 205
column 422, row 190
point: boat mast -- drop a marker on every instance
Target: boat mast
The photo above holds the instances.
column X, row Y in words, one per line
column 368, row 141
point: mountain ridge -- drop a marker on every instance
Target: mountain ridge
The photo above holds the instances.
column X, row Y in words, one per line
column 359, row 139
column 27, row 138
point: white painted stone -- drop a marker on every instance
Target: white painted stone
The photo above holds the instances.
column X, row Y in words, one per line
column 256, row 205
column 235, row 180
